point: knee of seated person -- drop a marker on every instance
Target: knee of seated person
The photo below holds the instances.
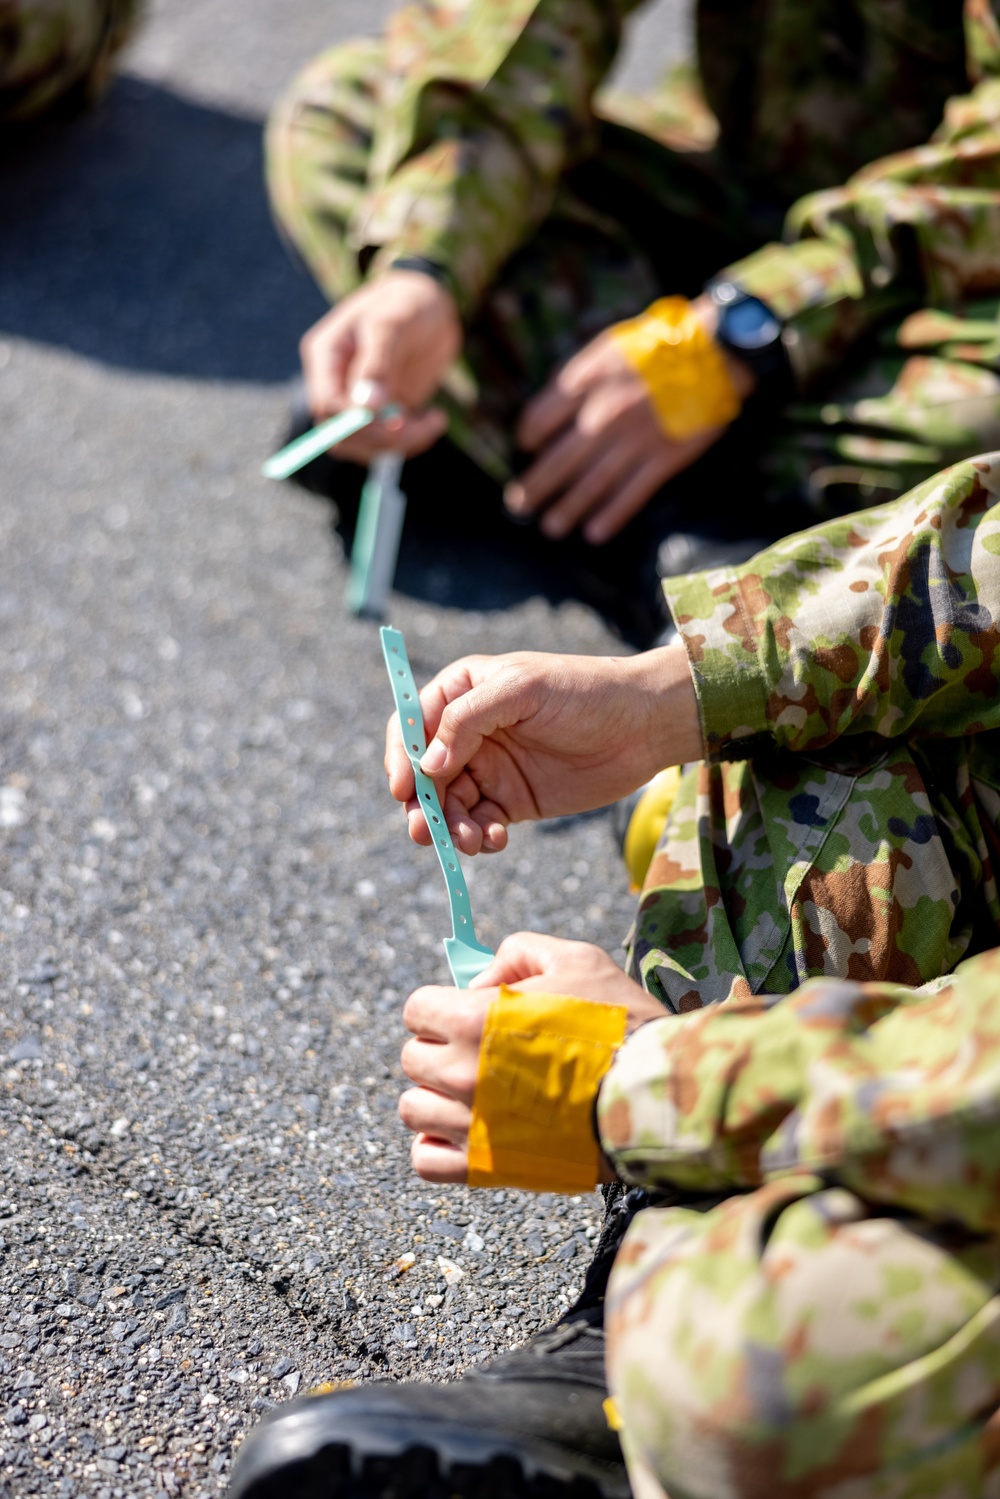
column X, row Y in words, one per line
column 317, row 142
column 732, row 1331
column 332, row 95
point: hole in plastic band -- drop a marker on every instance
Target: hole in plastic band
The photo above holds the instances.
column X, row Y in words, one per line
column 463, row 920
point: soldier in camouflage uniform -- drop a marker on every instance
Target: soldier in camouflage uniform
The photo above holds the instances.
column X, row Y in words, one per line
column 811, row 1304
column 56, row 56
column 476, row 142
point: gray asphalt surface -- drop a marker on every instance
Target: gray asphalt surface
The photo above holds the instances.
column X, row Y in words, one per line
column 209, row 910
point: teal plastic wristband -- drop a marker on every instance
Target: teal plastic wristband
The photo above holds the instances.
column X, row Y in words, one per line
column 317, row 440
column 466, row 955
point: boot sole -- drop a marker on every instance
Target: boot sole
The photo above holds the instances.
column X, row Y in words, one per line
column 301, row 1457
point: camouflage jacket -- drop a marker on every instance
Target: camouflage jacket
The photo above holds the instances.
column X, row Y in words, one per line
column 846, row 822
column 889, row 1091
column 490, row 102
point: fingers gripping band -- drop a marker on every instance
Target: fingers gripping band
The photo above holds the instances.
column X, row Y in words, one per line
column 540, row 1065
column 681, row 366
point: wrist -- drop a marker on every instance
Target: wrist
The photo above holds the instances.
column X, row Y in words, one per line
column 749, row 334
column 663, row 679
column 743, row 378
column 429, row 270
column 682, row 366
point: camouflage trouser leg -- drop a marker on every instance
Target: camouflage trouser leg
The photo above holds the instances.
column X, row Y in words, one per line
column 317, row 148
column 780, row 869
column 51, row 50
column 796, row 1344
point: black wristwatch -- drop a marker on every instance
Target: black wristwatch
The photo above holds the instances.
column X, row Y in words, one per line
column 749, row 330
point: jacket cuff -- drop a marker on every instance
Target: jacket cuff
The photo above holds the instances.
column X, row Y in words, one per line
column 815, row 288
column 715, row 615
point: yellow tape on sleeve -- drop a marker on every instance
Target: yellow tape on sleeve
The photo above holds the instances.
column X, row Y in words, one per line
column 681, row 366
column 540, row 1066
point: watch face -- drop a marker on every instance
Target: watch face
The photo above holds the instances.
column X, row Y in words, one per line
column 749, row 324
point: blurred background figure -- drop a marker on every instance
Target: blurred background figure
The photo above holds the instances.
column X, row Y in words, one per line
column 56, row 56
column 481, row 210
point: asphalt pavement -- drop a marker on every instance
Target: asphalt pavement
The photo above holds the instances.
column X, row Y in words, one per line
column 209, row 910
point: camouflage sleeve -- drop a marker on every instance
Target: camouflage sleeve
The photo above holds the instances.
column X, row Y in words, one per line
column 886, row 622
column 890, row 1091
column 921, row 226
column 489, row 103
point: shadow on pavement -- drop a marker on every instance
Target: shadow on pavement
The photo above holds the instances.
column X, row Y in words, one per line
column 461, row 551
column 139, row 236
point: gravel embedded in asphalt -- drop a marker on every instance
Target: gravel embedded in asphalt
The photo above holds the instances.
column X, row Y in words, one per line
column 209, row 908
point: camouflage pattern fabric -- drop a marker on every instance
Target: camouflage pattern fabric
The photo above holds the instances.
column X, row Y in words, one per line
column 837, row 1330
column 846, row 823
column 796, row 1343
column 58, row 54
column 477, row 134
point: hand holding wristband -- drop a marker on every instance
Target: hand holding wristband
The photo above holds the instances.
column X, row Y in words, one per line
column 681, row 366
column 541, row 1063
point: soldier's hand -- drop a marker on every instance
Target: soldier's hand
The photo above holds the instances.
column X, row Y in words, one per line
column 602, row 453
column 442, row 1057
column 535, row 963
column 526, row 736
column 391, row 341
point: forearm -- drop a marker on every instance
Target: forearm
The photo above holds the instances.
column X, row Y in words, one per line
column 487, row 113
column 664, row 685
column 893, row 1092
column 921, row 228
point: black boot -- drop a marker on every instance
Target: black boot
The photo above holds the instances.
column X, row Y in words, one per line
column 530, row 1423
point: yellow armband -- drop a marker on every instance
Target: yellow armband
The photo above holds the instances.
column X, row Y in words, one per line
column 681, row 366
column 540, row 1065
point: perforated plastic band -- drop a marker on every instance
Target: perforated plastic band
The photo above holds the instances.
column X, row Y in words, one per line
column 377, row 537
column 466, row 955
column 288, row 460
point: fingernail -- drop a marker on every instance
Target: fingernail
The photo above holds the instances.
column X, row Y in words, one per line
column 514, row 498
column 553, row 526
column 368, row 393
column 434, row 759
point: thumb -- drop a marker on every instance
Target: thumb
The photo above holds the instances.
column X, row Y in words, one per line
column 503, row 700
column 372, row 367
column 521, row 956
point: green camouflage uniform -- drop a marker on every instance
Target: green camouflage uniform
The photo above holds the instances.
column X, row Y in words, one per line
column 825, row 1320
column 476, row 135
column 818, row 1311
column 846, row 823
column 56, row 55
